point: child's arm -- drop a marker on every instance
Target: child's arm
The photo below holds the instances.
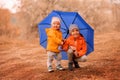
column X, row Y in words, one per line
column 73, row 48
column 52, row 35
column 65, row 45
column 56, row 40
column 83, row 49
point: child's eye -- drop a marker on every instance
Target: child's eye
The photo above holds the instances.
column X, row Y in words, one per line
column 76, row 29
column 57, row 24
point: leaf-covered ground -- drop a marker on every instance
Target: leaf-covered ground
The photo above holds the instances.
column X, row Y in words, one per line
column 23, row 60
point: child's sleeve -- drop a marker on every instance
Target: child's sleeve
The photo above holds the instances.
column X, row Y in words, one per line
column 65, row 45
column 54, row 37
column 83, row 49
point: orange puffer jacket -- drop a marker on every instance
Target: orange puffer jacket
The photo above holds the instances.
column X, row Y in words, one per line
column 54, row 39
column 81, row 46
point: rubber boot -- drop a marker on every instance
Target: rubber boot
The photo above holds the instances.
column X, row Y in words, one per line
column 76, row 64
column 70, row 66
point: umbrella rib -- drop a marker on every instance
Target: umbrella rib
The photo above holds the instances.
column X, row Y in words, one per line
column 63, row 29
column 74, row 18
column 64, row 32
column 43, row 41
column 62, row 20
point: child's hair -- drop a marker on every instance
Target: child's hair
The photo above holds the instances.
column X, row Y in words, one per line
column 55, row 19
column 72, row 26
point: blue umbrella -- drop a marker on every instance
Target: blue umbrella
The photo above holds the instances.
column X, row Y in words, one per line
column 67, row 18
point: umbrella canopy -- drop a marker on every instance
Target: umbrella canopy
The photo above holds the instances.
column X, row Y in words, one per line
column 67, row 18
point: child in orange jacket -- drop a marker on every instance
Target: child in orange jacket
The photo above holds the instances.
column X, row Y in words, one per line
column 54, row 40
column 75, row 46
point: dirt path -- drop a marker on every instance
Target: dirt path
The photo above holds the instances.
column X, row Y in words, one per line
column 20, row 60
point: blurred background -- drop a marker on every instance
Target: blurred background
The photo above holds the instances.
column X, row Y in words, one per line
column 19, row 18
column 22, row 57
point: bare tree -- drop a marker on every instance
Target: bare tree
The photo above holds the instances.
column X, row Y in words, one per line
column 116, row 12
column 4, row 21
column 94, row 12
column 6, row 28
column 33, row 11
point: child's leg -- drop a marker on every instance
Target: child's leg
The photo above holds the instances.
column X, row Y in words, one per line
column 70, row 59
column 49, row 60
column 81, row 59
column 75, row 62
column 58, row 58
column 70, row 55
column 58, row 61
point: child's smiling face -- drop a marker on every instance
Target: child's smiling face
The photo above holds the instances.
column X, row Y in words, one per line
column 56, row 25
column 75, row 32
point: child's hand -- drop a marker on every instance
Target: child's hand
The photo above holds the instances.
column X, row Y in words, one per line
column 73, row 48
column 60, row 48
column 76, row 54
column 64, row 40
column 62, row 43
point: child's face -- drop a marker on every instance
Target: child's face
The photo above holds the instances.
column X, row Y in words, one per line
column 56, row 25
column 75, row 32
